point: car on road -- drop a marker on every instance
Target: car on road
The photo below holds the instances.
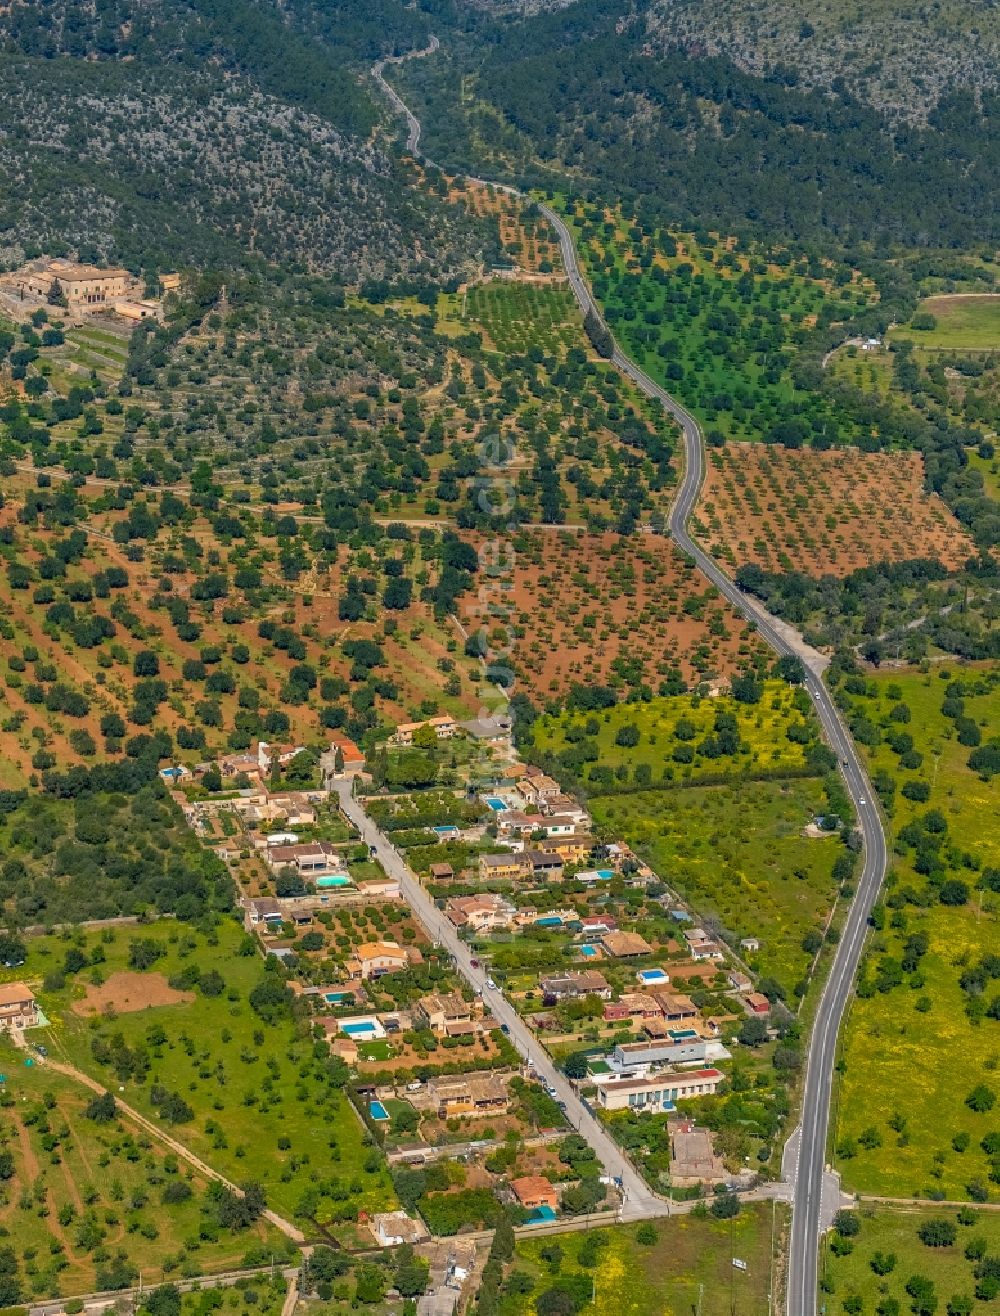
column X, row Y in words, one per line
column 491, row 984
column 862, row 801
column 474, row 963
column 505, row 1029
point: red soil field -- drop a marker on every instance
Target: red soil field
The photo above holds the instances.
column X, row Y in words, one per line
column 586, row 609
column 823, row 513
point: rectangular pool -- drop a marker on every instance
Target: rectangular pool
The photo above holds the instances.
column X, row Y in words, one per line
column 359, row 1030
column 333, row 880
column 377, row 1111
column 337, row 998
column 540, row 1215
column 652, row 975
column 588, row 952
column 496, row 804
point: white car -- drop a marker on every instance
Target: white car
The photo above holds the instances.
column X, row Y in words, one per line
column 491, row 984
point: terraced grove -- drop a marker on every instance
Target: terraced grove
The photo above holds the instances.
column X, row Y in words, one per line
column 823, row 512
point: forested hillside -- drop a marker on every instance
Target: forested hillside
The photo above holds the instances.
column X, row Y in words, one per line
column 698, row 141
column 896, row 56
column 212, row 134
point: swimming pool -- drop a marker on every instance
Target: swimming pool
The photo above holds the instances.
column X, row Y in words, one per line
column 541, row 1214
column 337, row 998
column 360, row 1030
column 377, row 1111
column 446, row 829
column 588, row 952
column 554, row 922
column 333, row 880
column 652, row 975
column 496, row 803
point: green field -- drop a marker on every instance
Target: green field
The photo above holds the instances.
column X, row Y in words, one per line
column 688, row 1269
column 81, row 1192
column 738, row 853
column 518, row 316
column 894, row 1234
column 964, row 320
column 717, row 323
column 677, row 736
column 263, row 1106
column 911, row 1053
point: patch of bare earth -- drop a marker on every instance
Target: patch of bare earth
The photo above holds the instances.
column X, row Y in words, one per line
column 125, row 993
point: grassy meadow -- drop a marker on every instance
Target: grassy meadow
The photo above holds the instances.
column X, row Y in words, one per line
column 738, row 853
column 262, row 1106
column 893, row 1233
column 83, row 1192
column 964, row 320
column 667, row 722
column 911, row 1053
column 687, row 1269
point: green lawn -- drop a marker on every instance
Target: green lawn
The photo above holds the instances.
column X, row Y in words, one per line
column 964, row 320
column 687, row 1270
column 894, row 1233
column 738, row 852
column 911, row 1050
column 252, row 1085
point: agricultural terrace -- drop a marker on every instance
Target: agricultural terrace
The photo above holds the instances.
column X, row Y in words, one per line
column 518, row 316
column 955, row 321
column 228, row 1069
column 344, row 409
column 882, row 1256
column 681, row 738
column 213, row 630
column 926, row 1003
column 89, row 1198
column 717, row 322
column 578, row 442
column 741, row 856
column 525, row 234
column 628, row 612
column 823, row 512
column 677, row 1265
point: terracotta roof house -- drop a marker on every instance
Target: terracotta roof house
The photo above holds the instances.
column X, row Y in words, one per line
column 533, row 1191
column 18, row 1008
column 504, row 867
column 588, row 982
column 440, row 1009
column 755, row 1003
column 625, row 945
column 374, row 958
column 442, row 872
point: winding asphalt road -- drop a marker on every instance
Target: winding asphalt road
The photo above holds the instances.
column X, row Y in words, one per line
column 808, row 1143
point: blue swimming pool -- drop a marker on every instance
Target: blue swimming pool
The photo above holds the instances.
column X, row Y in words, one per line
column 554, row 922
column 333, row 880
column 588, row 951
column 377, row 1111
column 496, row 804
column 446, row 829
column 652, row 975
column 337, row 998
column 359, row 1030
column 541, row 1214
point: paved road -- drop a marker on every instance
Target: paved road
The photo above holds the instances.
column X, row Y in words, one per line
column 639, row 1200
column 809, row 1160
column 811, row 1184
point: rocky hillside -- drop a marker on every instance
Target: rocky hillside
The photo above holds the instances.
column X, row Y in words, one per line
column 895, row 55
